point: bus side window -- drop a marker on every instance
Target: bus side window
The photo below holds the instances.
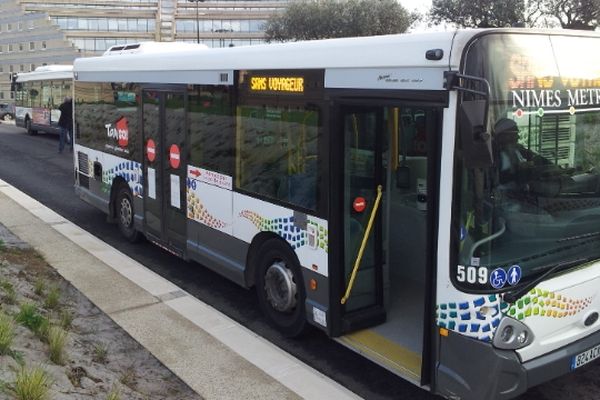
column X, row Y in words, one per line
column 277, row 154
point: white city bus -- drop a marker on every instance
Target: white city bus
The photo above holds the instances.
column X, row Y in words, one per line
column 430, row 200
column 38, row 94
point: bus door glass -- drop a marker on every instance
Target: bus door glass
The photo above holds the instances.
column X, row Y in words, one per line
column 164, row 167
column 362, row 175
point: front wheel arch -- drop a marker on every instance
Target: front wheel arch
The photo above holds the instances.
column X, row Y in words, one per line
column 280, row 287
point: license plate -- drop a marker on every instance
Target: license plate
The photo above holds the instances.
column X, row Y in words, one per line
column 585, row 357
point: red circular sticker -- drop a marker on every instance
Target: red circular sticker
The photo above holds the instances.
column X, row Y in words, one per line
column 151, row 150
column 359, row 204
column 174, row 158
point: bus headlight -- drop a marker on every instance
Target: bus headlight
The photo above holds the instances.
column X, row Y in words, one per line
column 512, row 334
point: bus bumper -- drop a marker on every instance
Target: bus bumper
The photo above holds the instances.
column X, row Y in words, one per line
column 470, row 369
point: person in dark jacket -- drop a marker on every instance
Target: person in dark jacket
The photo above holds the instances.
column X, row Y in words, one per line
column 65, row 123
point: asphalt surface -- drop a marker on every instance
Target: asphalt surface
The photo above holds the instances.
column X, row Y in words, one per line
column 32, row 164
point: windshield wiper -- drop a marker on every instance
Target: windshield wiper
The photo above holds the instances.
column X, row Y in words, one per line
column 516, row 294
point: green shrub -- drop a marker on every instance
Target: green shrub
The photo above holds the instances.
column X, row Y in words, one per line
column 52, row 299
column 39, row 287
column 10, row 294
column 114, row 394
column 66, row 319
column 30, row 317
column 7, row 333
column 100, row 353
column 31, row 384
column 57, row 338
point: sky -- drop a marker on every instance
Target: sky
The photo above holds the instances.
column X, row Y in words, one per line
column 420, row 5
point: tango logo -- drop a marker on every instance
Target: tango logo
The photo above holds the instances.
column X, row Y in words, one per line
column 119, row 130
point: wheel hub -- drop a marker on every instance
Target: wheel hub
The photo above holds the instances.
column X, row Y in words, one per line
column 280, row 287
column 126, row 212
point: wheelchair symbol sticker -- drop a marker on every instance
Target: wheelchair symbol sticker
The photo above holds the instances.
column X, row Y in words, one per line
column 514, row 275
column 498, row 278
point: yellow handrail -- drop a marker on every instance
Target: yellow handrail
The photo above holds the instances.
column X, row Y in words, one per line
column 363, row 245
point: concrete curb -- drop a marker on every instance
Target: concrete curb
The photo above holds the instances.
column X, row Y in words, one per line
column 213, row 354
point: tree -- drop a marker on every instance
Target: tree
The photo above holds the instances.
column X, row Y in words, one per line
column 320, row 19
column 574, row 14
column 479, row 13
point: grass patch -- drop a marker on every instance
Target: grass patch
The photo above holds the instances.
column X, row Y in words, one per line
column 114, row 394
column 52, row 299
column 7, row 333
column 31, row 384
column 129, row 377
column 30, row 317
column 66, row 319
column 57, row 338
column 43, row 330
column 100, row 353
column 10, row 294
column 39, row 287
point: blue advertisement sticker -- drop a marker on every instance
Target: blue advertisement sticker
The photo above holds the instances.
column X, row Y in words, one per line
column 514, row 275
column 498, row 278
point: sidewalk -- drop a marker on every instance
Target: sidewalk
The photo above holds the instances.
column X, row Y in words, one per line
column 214, row 355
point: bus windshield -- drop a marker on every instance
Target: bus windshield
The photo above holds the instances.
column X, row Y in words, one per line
column 537, row 203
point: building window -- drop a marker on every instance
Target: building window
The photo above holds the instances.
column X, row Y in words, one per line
column 20, row 46
column 21, row 68
column 20, row 26
column 10, row 48
column 30, row 24
column 11, row 68
column 9, row 27
column 31, row 45
column 43, row 45
column 2, row 95
column 32, row 67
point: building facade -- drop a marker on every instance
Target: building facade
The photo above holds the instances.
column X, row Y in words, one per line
column 41, row 32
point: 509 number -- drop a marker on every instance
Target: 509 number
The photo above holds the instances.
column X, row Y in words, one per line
column 471, row 274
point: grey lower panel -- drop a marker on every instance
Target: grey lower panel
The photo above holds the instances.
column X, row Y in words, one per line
column 473, row 370
column 93, row 199
column 558, row 362
column 218, row 251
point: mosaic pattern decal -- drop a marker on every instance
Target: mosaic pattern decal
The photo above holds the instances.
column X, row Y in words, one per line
column 467, row 317
column 480, row 317
column 131, row 171
column 197, row 212
column 546, row 304
column 315, row 235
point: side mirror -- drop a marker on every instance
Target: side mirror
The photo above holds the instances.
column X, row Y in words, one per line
column 475, row 139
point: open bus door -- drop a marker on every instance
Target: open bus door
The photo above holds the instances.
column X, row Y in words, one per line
column 386, row 234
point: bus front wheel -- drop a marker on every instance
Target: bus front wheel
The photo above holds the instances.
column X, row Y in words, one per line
column 125, row 214
column 280, row 288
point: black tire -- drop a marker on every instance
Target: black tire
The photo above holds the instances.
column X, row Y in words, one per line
column 280, row 288
column 30, row 131
column 124, row 212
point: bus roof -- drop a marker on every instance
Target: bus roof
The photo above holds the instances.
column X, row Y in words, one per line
column 336, row 56
column 377, row 51
column 47, row 72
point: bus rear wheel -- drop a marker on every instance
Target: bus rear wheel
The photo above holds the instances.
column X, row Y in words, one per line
column 280, row 288
column 30, row 131
column 125, row 214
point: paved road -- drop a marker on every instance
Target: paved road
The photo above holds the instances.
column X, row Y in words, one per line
column 33, row 165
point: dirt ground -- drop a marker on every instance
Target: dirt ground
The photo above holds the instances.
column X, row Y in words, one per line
column 101, row 360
